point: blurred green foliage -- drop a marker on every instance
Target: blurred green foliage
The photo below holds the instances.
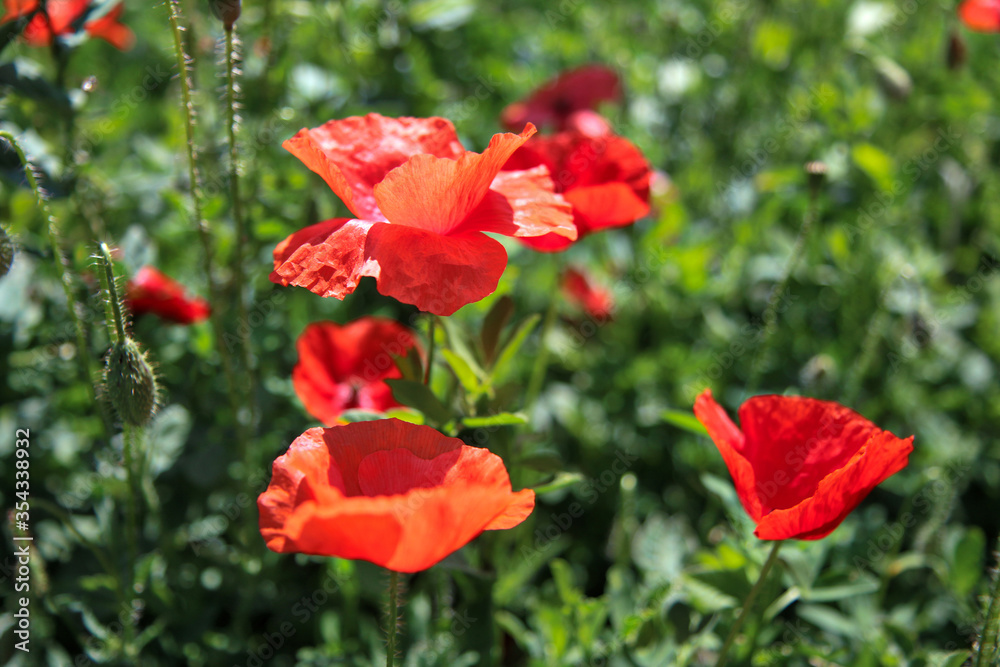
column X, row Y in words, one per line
column 638, row 551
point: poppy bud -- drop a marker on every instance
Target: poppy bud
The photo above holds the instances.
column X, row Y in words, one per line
column 130, row 382
column 957, row 52
column 816, row 172
column 6, row 252
column 893, row 79
column 226, row 11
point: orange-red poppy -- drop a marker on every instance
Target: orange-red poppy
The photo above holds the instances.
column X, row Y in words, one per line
column 422, row 204
column 345, row 367
column 606, row 180
column 395, row 494
column 801, row 465
column 151, row 291
column 596, row 301
column 66, row 17
column 567, row 102
column 981, row 15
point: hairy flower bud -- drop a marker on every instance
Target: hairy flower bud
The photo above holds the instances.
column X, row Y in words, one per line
column 226, row 11
column 130, row 382
column 6, row 252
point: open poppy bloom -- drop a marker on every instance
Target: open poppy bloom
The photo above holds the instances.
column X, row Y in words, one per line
column 345, row 367
column 596, row 301
column 150, row 291
column 64, row 17
column 981, row 15
column 606, row 180
column 422, row 204
column 801, row 465
column 568, row 102
column 396, row 494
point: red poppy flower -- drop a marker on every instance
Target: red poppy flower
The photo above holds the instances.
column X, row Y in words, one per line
column 606, row 180
column 981, row 15
column 422, row 204
column 344, row 367
column 596, row 301
column 801, row 465
column 150, row 291
column 395, row 494
column 63, row 17
column 555, row 103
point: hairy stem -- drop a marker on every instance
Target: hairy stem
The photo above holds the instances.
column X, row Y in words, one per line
column 392, row 619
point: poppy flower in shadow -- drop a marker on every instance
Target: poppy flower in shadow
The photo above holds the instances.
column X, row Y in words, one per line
column 596, row 301
column 980, row 15
column 605, row 179
column 422, row 204
column 395, row 494
column 567, row 102
column 150, row 291
column 801, row 465
column 345, row 367
column 67, row 17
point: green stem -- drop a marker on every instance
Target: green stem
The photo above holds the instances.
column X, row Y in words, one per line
column 392, row 618
column 771, row 311
column 52, row 231
column 116, row 308
column 430, row 348
column 203, row 232
column 542, row 360
column 748, row 604
column 239, row 270
column 129, row 433
column 987, row 649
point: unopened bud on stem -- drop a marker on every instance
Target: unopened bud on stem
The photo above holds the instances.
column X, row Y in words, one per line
column 226, row 11
column 130, row 382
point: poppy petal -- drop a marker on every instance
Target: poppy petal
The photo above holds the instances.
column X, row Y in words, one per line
column 517, row 511
column 109, row 28
column 354, row 154
column 606, row 205
column 981, row 15
column 151, row 291
column 327, row 258
column 574, row 90
column 729, row 440
column 438, row 194
column 523, row 203
column 839, row 492
column 438, row 274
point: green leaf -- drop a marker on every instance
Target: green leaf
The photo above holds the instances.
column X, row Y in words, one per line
column 464, row 373
column 352, row 416
column 405, row 415
column 951, row 659
column 968, row 561
column 34, row 87
column 685, row 421
column 562, row 574
column 876, row 163
column 512, row 347
column 419, row 396
column 829, row 619
column 493, row 324
column 457, row 344
column 499, row 419
column 560, row 481
column 410, row 366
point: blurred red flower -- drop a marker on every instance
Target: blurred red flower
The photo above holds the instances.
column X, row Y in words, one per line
column 344, row 367
column 422, row 203
column 606, row 180
column 568, row 101
column 395, row 494
column 150, row 291
column 981, row 15
column 801, row 465
column 63, row 17
column 596, row 301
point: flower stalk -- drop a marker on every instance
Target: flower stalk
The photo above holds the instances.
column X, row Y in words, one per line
column 392, row 619
column 748, row 604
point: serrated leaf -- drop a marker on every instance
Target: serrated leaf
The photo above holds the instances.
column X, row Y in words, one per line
column 511, row 348
column 419, row 396
column 499, row 419
column 685, row 421
column 493, row 324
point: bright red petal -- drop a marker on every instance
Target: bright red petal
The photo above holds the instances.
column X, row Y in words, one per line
column 438, row 194
column 151, row 291
column 574, row 90
column 353, row 155
column 604, row 206
column 109, row 28
column 839, row 492
column 327, row 258
column 981, row 15
column 344, row 367
column 730, row 442
column 438, row 274
column 596, row 302
column 523, row 204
